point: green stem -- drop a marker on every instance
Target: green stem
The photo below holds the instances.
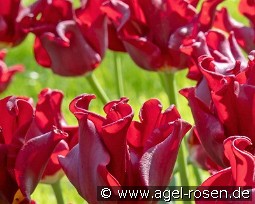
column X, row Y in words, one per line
column 182, row 166
column 197, row 174
column 162, row 78
column 170, row 87
column 58, row 193
column 167, row 78
column 118, row 74
column 97, row 88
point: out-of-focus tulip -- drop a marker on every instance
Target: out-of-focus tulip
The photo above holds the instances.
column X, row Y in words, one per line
column 245, row 35
column 6, row 74
column 70, row 42
column 115, row 151
column 11, row 33
column 222, row 105
column 152, row 45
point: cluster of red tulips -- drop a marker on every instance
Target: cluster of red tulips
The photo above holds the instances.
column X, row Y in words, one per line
column 36, row 143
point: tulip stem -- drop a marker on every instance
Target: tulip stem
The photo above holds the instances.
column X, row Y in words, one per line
column 118, row 74
column 197, row 174
column 58, row 192
column 97, row 88
column 168, row 80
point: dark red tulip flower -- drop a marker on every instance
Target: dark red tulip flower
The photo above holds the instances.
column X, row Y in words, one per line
column 48, row 114
column 153, row 31
column 239, row 174
column 24, row 152
column 69, row 42
column 6, row 74
column 214, row 43
column 101, row 156
column 222, row 104
column 11, row 33
column 245, row 35
column 116, row 151
column 198, row 155
column 150, row 140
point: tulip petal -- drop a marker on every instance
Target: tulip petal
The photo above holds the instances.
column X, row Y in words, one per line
column 85, row 165
column 150, row 107
column 119, row 13
column 10, row 30
column 114, row 136
column 245, row 35
column 6, row 74
column 81, row 105
column 53, row 171
column 239, row 174
column 143, row 52
column 245, row 103
column 198, row 155
column 222, row 89
column 242, row 162
column 41, row 55
column 48, row 111
column 32, row 160
column 97, row 35
column 8, row 186
column 207, row 13
column 212, row 140
column 16, row 117
column 63, row 53
column 155, row 171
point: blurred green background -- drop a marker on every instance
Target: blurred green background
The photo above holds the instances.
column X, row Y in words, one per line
column 139, row 86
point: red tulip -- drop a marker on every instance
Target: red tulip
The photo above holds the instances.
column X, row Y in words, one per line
column 149, row 141
column 24, row 152
column 153, row 45
column 48, row 115
column 6, row 74
column 198, row 155
column 68, row 43
column 245, row 35
column 11, row 33
column 103, row 142
column 222, row 105
column 114, row 151
column 212, row 43
column 239, row 174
